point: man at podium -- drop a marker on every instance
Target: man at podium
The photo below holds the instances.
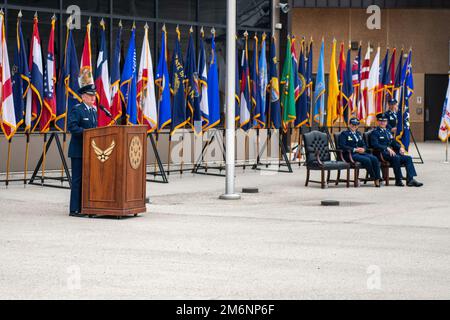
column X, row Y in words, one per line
column 82, row 116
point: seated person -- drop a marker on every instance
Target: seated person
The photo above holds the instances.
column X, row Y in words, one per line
column 392, row 115
column 351, row 141
column 383, row 141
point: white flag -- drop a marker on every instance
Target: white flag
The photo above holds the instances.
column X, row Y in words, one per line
column 444, row 128
column 373, row 85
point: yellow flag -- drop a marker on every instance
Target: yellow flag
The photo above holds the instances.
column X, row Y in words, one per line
column 333, row 90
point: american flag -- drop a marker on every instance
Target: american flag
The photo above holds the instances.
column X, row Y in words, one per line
column 364, row 86
column 356, row 80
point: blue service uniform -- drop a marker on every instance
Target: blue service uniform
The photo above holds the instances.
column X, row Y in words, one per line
column 348, row 142
column 80, row 117
column 392, row 119
column 380, row 140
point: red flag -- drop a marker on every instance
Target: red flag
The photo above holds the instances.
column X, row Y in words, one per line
column 49, row 110
column 102, row 80
column 7, row 114
column 341, row 72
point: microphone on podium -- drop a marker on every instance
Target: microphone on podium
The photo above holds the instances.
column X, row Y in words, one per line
column 108, row 113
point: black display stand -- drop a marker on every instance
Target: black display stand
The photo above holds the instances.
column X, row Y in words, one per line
column 286, row 160
column 161, row 172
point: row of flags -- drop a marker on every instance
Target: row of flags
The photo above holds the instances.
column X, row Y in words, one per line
column 181, row 94
column 184, row 90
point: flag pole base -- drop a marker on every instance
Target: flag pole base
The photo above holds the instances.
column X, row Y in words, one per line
column 232, row 196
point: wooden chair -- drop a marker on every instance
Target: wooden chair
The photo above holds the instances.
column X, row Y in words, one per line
column 356, row 166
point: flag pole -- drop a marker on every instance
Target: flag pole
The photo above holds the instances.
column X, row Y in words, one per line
column 8, row 162
column 25, row 169
column 446, row 149
column 230, row 112
column 44, row 158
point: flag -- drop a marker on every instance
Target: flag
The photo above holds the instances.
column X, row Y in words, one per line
column 288, row 91
column 319, row 91
column 274, row 113
column 49, row 109
column 245, row 106
column 373, row 86
column 34, row 97
column 403, row 114
column 398, row 75
column 444, row 128
column 333, row 90
column 384, row 81
column 192, row 87
column 356, row 81
column 254, row 84
column 263, row 82
column 213, row 86
column 146, row 99
column 20, row 74
column 347, row 88
column 340, row 77
column 128, row 81
column 162, row 82
column 67, row 92
column 85, row 77
column 116, row 103
column 203, row 82
column 301, row 105
column 7, row 112
column 237, row 89
column 390, row 83
column 102, row 80
column 309, row 82
column 363, row 101
column 177, row 77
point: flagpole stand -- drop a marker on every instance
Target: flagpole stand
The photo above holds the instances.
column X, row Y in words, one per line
column 161, row 172
column 446, row 151
column 53, row 137
column 419, row 158
column 199, row 164
column 286, row 160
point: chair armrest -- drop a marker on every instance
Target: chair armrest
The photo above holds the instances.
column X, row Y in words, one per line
column 318, row 158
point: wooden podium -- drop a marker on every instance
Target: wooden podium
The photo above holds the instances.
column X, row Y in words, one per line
column 114, row 170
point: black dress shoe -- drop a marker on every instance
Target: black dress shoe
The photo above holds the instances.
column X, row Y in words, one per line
column 377, row 183
column 414, row 183
column 76, row 214
column 399, row 184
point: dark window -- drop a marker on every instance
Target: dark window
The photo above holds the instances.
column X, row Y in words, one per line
column 183, row 10
column 253, row 13
column 138, row 8
column 89, row 5
column 54, row 4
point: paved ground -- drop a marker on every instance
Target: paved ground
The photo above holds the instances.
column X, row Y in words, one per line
column 381, row 243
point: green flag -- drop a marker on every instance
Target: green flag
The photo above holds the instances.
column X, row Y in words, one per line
column 288, row 92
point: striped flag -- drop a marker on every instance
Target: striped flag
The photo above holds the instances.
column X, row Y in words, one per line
column 102, row 80
column 7, row 113
column 356, row 81
column 245, row 106
column 49, row 110
column 116, row 102
column 146, row 88
column 364, row 88
column 34, row 96
column 373, row 87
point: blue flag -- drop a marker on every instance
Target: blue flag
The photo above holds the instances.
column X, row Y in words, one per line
column 192, row 87
column 213, row 87
column 263, row 82
column 162, row 81
column 177, row 77
column 403, row 114
column 319, row 91
column 116, row 103
column 128, row 81
column 254, row 85
column 67, row 93
column 21, row 75
column 203, row 83
column 347, row 87
column 301, row 105
column 274, row 110
column 309, row 82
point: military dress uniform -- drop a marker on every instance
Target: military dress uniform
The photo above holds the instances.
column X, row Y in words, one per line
column 348, row 142
column 81, row 117
column 392, row 120
column 380, row 140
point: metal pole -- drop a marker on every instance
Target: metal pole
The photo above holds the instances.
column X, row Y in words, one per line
column 446, row 150
column 230, row 115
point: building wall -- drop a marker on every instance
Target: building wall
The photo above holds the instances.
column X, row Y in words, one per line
column 426, row 31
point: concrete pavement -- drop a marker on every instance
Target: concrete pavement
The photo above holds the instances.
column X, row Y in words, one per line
column 383, row 243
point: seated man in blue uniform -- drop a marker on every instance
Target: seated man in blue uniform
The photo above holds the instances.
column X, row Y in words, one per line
column 351, row 141
column 383, row 141
column 82, row 116
column 391, row 114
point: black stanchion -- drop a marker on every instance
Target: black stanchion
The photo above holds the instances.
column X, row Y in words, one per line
column 161, row 172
